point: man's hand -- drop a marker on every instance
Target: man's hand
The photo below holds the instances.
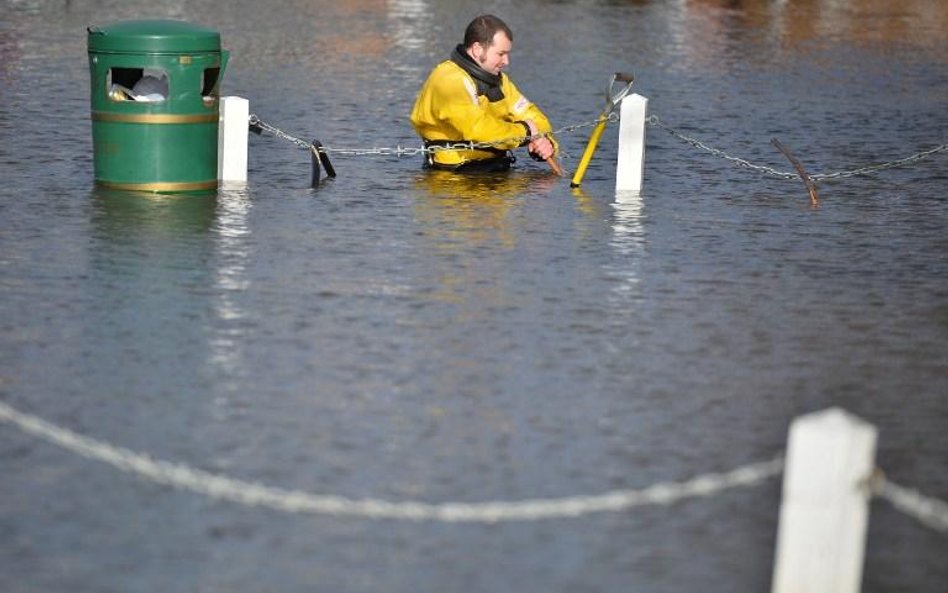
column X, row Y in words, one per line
column 542, row 148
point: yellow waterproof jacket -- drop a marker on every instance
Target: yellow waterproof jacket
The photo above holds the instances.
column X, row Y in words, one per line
column 448, row 109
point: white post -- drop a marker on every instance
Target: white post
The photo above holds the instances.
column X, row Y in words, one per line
column 824, row 512
column 232, row 139
column 630, row 168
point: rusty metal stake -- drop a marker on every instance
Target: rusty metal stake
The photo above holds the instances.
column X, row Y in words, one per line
column 810, row 186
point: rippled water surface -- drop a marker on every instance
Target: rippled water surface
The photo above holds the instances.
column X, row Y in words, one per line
column 407, row 336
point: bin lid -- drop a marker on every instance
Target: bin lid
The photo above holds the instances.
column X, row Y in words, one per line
column 153, row 36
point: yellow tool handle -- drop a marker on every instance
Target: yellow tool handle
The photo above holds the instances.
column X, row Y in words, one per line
column 588, row 153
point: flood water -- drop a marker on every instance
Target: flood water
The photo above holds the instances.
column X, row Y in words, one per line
column 415, row 337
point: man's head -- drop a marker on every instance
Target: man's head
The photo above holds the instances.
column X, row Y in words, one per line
column 488, row 40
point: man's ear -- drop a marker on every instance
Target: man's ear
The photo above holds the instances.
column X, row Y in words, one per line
column 477, row 50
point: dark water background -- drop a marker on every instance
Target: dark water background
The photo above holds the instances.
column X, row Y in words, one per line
column 414, row 337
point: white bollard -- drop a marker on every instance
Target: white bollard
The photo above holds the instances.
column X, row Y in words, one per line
column 825, row 507
column 631, row 163
column 232, row 139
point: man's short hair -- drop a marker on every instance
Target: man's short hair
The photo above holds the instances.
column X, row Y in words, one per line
column 483, row 28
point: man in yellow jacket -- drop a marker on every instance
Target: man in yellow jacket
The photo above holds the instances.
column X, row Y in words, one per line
column 468, row 98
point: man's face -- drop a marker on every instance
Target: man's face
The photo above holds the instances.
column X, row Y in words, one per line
column 496, row 56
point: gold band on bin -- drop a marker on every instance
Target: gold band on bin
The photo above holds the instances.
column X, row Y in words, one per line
column 155, row 118
column 161, row 186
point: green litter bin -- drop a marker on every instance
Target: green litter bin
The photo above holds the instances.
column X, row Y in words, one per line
column 155, row 89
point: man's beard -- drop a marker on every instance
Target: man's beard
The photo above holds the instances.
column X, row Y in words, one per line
column 482, row 63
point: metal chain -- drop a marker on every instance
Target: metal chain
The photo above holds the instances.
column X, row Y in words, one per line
column 654, row 120
column 873, row 168
column 259, row 123
column 293, row 501
column 929, row 511
column 400, row 151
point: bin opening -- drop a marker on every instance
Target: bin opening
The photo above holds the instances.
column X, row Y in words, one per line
column 148, row 85
column 210, row 88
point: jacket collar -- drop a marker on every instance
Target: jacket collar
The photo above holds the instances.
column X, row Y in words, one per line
column 487, row 84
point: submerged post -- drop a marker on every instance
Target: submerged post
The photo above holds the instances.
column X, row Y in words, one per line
column 314, row 159
column 825, row 507
column 631, row 161
column 232, row 140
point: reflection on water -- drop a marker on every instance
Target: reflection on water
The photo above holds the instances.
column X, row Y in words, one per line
column 128, row 216
column 232, row 252
column 628, row 231
column 465, row 218
column 152, row 246
column 412, row 23
column 479, row 206
column 915, row 22
column 484, row 186
column 628, row 241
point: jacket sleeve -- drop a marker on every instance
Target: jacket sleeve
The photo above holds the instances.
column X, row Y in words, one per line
column 522, row 109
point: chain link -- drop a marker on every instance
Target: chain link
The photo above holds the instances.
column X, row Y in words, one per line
column 655, row 121
column 256, row 122
column 293, row 501
column 927, row 510
column 873, row 168
column 400, row 151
